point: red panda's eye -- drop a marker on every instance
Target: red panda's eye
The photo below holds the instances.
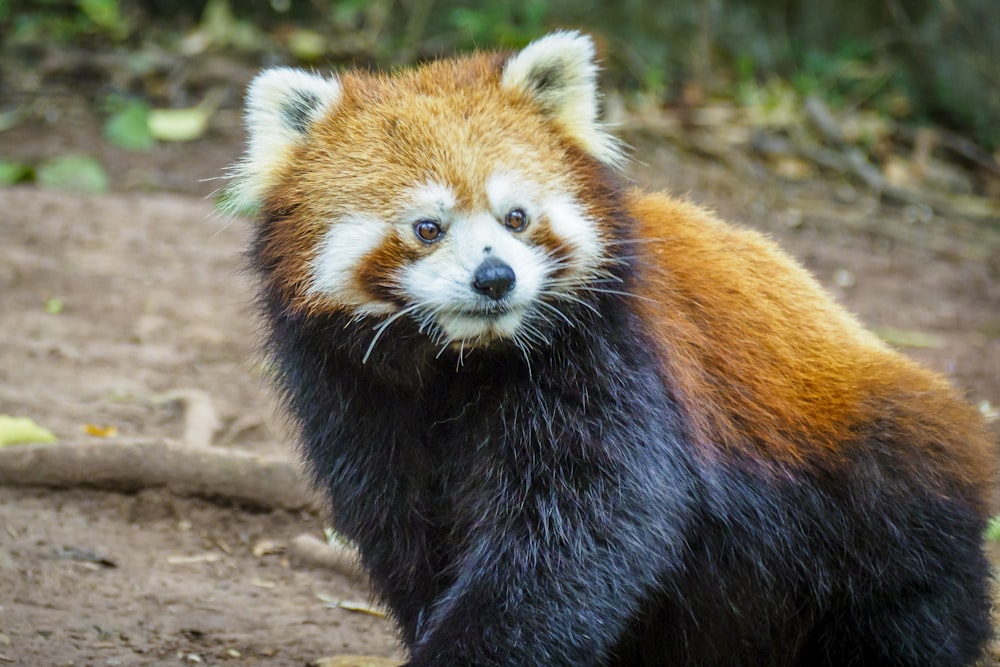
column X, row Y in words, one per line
column 516, row 220
column 427, row 231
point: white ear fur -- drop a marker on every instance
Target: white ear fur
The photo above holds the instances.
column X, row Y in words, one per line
column 281, row 104
column 558, row 71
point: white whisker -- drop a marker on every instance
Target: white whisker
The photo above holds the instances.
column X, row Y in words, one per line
column 552, row 308
column 380, row 329
column 601, row 290
column 525, row 352
column 567, row 296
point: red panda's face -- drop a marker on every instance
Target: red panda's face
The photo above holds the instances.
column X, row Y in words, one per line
column 445, row 195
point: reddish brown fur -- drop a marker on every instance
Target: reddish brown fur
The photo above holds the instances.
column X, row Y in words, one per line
column 381, row 263
column 746, row 338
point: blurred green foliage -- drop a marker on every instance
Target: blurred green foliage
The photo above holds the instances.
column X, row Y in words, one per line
column 106, row 16
column 127, row 124
column 501, row 24
column 76, row 173
column 62, row 20
column 927, row 59
column 13, row 172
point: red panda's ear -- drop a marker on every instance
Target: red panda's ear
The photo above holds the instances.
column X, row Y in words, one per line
column 558, row 72
column 281, row 105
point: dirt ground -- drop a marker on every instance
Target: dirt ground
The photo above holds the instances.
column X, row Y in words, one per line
column 151, row 300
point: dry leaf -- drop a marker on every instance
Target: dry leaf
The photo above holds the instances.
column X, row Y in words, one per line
column 267, row 548
column 793, row 168
column 351, row 605
column 98, row 431
column 361, row 608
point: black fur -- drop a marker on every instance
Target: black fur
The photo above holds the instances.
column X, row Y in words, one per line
column 553, row 511
column 295, row 113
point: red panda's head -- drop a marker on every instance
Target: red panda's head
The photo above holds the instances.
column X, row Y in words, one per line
column 460, row 195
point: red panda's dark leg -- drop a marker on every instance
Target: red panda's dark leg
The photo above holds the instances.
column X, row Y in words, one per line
column 922, row 631
column 557, row 584
column 935, row 614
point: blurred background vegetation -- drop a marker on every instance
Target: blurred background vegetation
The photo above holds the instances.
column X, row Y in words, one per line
column 890, row 67
column 924, row 59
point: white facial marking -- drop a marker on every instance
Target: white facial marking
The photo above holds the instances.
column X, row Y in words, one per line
column 442, row 282
column 569, row 221
column 566, row 218
column 430, row 200
column 345, row 245
column 505, row 189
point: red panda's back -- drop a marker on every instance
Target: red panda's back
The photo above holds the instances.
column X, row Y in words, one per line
column 772, row 366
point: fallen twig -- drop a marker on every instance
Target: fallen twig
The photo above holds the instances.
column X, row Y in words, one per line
column 201, row 422
column 954, row 144
column 210, row 472
column 339, row 557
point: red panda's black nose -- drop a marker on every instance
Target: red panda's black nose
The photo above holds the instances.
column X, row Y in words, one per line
column 494, row 279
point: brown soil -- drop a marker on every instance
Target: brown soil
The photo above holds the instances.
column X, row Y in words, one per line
column 153, row 300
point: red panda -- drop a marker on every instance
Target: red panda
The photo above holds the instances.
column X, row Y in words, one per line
column 568, row 422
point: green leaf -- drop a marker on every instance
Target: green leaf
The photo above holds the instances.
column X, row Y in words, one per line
column 993, row 529
column 76, row 173
column 306, row 45
column 184, row 124
column 906, row 338
column 12, row 172
column 54, row 306
column 106, row 15
column 177, row 124
column 218, row 21
column 128, row 127
column 22, row 430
